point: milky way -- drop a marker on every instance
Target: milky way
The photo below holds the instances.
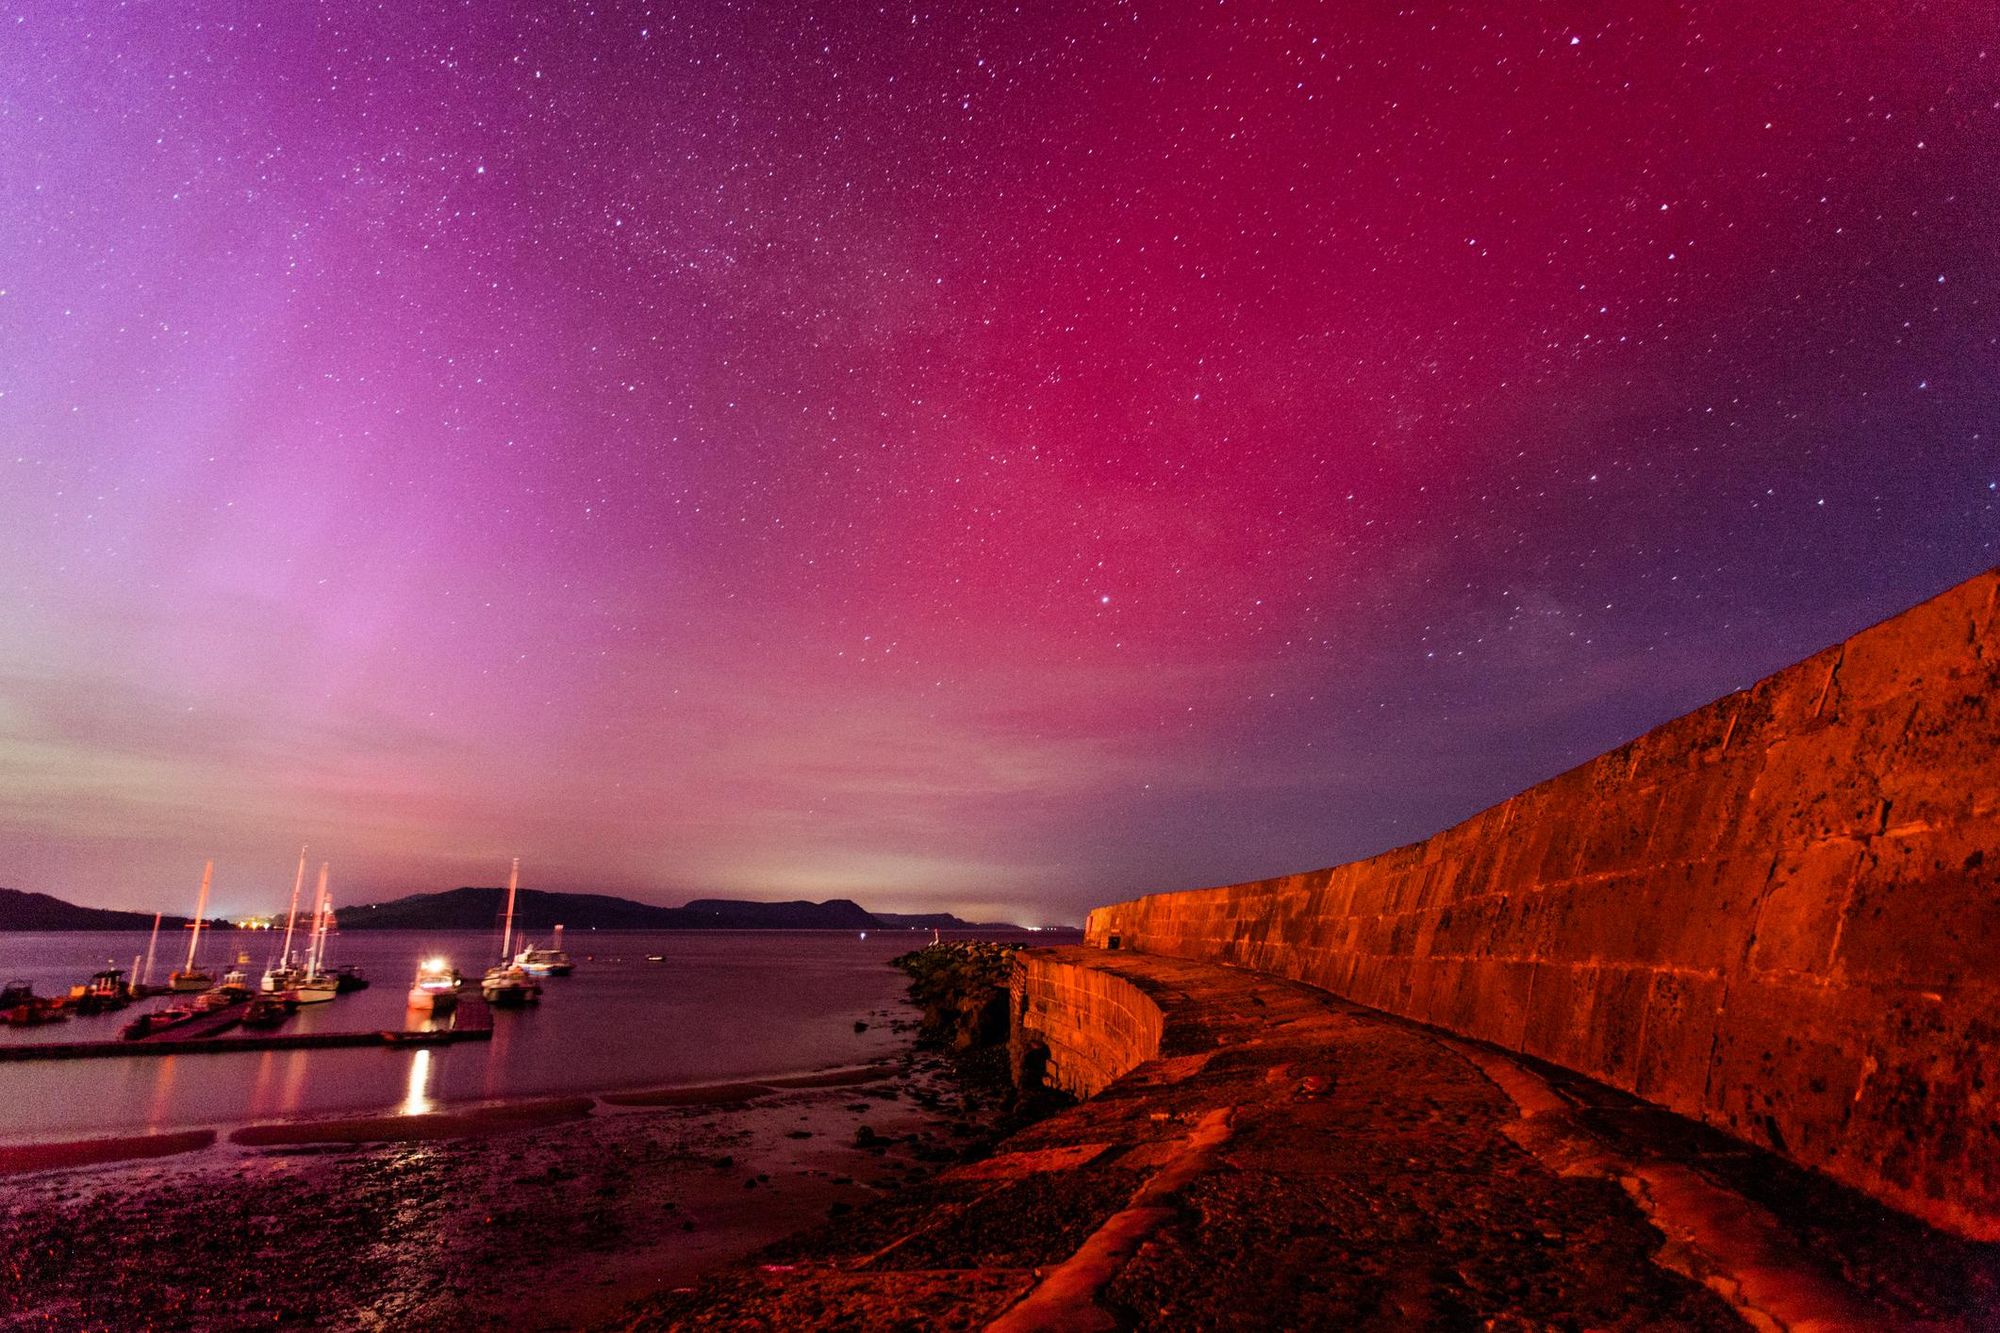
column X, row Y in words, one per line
column 989, row 459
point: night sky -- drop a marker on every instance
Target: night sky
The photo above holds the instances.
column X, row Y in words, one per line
column 986, row 459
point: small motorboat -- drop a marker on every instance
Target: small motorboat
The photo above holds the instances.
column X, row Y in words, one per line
column 267, row 1011
column 160, row 1020
column 105, row 991
column 436, row 986
column 235, row 982
column 349, row 978
column 21, row 1007
column 656, row 958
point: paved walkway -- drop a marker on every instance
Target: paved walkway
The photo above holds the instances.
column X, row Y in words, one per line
column 1292, row 1161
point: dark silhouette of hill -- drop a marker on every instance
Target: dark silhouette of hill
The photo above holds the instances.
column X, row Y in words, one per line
column 535, row 910
column 935, row 921
column 38, row 911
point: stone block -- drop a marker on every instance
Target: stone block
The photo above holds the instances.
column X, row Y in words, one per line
column 1924, row 911
column 1798, row 921
column 1673, row 1063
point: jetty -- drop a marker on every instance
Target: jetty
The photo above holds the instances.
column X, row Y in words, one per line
column 213, row 1036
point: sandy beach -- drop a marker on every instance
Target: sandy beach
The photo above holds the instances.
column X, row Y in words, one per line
column 547, row 1214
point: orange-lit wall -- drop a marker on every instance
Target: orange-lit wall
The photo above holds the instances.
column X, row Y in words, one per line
column 1779, row 914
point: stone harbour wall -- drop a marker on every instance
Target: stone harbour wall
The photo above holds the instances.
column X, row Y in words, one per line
column 1779, row 914
column 1094, row 1025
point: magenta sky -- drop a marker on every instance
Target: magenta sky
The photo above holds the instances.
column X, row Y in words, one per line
column 981, row 459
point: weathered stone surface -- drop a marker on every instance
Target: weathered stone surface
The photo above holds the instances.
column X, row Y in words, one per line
column 1288, row 1160
column 1779, row 914
column 1095, row 1024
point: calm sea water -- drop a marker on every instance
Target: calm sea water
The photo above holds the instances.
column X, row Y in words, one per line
column 723, row 1005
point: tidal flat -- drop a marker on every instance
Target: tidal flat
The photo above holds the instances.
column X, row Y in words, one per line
column 528, row 1222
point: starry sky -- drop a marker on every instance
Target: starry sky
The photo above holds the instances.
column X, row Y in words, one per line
column 995, row 459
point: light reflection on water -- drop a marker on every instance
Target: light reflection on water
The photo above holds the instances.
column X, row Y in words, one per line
column 724, row 1005
column 416, row 1096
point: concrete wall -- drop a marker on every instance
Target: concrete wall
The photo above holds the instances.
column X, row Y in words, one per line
column 1096, row 1026
column 1779, row 914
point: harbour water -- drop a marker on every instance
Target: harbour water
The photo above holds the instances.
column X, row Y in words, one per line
column 721, row 1005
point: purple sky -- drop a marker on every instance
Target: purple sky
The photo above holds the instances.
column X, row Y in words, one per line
column 995, row 460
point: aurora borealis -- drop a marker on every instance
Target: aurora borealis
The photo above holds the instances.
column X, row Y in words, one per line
column 978, row 459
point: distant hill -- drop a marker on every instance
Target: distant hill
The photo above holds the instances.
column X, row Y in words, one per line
column 736, row 914
column 935, row 921
column 535, row 911
column 38, row 911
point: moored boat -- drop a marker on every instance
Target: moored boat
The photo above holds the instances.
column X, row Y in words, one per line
column 159, row 1020
column 267, row 1011
column 106, row 990
column 436, row 985
column 191, row 979
column 509, row 984
column 314, row 984
column 219, row 998
column 21, row 1007
column 284, row 974
column 545, row 962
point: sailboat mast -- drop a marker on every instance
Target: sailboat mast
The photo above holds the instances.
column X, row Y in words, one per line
column 298, row 882
column 151, row 944
column 200, row 910
column 507, row 934
column 319, row 922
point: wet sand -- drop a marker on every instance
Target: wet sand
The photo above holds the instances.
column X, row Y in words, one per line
column 471, row 1123
column 546, row 1214
column 29, row 1157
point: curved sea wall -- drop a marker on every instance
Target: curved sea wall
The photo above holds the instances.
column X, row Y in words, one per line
column 1093, row 1025
column 1779, row 914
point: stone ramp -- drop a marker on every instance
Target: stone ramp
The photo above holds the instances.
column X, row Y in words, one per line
column 1293, row 1161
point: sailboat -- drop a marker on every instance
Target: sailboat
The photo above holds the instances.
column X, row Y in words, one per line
column 549, row 962
column 191, row 978
column 510, row 983
column 314, row 984
column 284, row 974
column 144, row 984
